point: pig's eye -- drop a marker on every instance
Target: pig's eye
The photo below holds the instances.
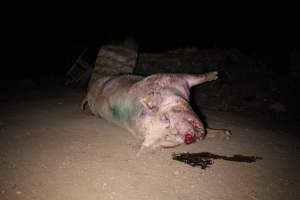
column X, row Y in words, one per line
column 164, row 117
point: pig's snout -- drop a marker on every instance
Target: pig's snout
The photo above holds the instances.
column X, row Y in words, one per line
column 197, row 133
column 189, row 138
column 185, row 125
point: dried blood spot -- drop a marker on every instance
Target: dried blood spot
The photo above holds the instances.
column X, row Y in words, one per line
column 205, row 159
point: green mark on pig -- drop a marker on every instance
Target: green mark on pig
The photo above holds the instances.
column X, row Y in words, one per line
column 119, row 113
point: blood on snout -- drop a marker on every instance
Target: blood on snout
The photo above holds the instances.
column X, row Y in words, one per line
column 194, row 124
column 188, row 138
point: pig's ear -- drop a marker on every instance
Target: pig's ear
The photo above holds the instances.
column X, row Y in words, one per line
column 200, row 78
column 151, row 101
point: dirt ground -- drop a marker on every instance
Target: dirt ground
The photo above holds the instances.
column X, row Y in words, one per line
column 51, row 150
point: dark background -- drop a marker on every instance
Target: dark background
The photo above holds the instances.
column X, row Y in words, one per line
column 47, row 54
column 42, row 50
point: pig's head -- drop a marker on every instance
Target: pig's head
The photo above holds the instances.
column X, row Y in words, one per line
column 183, row 124
column 168, row 117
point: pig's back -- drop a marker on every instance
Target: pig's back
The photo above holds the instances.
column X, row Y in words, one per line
column 113, row 102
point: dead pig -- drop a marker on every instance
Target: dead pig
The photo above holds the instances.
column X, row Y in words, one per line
column 154, row 109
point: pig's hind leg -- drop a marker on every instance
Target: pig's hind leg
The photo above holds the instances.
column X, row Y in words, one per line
column 83, row 104
column 85, row 107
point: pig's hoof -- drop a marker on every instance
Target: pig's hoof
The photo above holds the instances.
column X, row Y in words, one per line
column 211, row 76
column 145, row 150
column 85, row 107
column 227, row 134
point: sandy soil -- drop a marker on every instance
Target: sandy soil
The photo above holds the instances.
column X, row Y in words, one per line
column 50, row 150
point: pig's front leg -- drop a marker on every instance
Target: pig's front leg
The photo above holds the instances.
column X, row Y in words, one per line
column 218, row 133
column 150, row 144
